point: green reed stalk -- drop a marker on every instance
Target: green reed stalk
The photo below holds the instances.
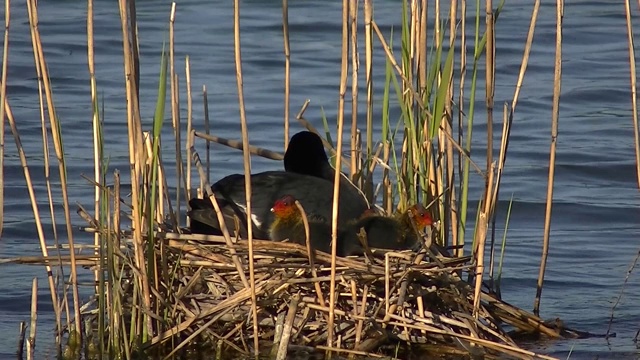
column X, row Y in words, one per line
column 158, row 119
column 502, row 249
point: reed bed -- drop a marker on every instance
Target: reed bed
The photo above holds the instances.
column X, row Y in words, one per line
column 161, row 291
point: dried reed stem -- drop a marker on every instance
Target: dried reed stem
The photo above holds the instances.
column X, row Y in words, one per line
column 353, row 25
column 187, row 70
column 336, row 181
column 3, row 94
column 310, row 253
column 175, row 113
column 287, row 69
column 288, row 326
column 247, row 170
column 207, row 131
column 458, row 233
column 36, row 212
column 557, row 80
column 634, row 99
column 31, row 349
column 368, row 50
column 57, row 141
column 136, row 151
column 489, row 76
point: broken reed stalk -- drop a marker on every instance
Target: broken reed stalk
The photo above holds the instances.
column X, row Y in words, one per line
column 287, row 69
column 555, row 113
column 632, row 73
column 344, row 68
column 175, row 112
column 3, row 94
column 57, row 141
column 247, row 169
column 31, row 349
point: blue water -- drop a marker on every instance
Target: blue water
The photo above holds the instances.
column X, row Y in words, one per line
column 596, row 212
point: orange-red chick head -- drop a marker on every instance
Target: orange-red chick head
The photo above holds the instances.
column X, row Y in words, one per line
column 285, row 207
column 420, row 216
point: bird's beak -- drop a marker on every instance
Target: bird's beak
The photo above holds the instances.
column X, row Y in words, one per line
column 272, row 210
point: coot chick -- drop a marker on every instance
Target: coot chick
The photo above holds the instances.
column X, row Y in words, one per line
column 394, row 233
column 308, row 177
column 288, row 224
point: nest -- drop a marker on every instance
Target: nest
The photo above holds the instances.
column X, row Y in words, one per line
column 384, row 303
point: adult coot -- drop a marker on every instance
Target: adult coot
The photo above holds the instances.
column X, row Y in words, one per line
column 396, row 233
column 308, row 178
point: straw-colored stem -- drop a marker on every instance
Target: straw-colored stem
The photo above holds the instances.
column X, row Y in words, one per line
column 187, row 70
column 57, row 141
column 129, row 50
column 34, row 208
column 114, row 264
column 353, row 26
column 287, row 69
column 555, row 113
column 175, row 115
column 97, row 138
column 456, row 239
column 3, row 94
column 368, row 51
column 489, row 77
column 310, row 252
column 31, row 349
column 288, row 326
column 336, row 181
column 207, row 130
column 247, row 169
column 634, row 99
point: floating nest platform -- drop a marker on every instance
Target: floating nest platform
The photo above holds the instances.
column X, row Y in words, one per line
column 386, row 304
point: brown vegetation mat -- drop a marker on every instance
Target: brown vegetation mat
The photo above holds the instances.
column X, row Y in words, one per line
column 391, row 301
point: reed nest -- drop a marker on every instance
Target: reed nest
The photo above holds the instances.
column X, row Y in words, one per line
column 386, row 302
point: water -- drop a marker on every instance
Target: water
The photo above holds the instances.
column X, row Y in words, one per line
column 594, row 228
